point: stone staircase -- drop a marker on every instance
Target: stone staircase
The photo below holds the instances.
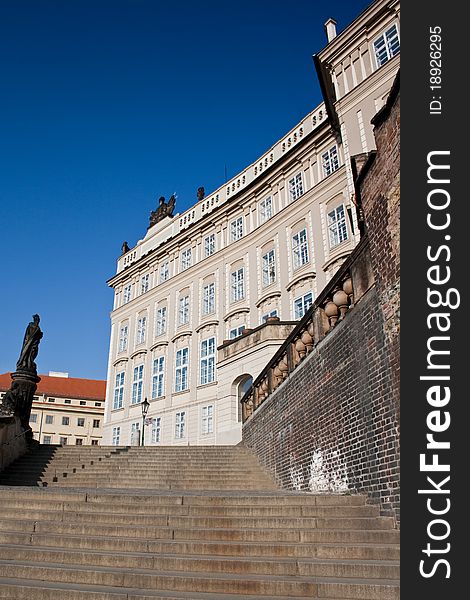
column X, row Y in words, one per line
column 180, row 523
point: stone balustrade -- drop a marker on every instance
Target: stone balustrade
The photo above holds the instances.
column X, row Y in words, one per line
column 346, row 288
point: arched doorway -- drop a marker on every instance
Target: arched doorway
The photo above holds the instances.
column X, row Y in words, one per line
column 241, row 384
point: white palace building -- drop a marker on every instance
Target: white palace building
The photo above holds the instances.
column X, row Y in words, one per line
column 205, row 299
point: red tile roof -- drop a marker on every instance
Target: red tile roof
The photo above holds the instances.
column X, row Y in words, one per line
column 64, row 387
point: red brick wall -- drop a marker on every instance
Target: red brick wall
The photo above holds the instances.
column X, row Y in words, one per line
column 333, row 425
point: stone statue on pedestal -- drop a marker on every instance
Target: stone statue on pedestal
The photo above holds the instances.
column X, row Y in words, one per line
column 163, row 210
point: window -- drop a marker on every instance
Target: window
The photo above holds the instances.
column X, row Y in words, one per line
column 65, row 420
column 127, row 295
column 63, row 441
column 164, row 271
column 183, row 310
column 49, row 419
column 123, row 337
column 269, row 268
column 51, row 399
column 208, row 299
column 236, row 332
column 302, row 304
column 160, row 321
column 96, row 423
column 265, row 317
column 135, row 434
column 33, row 418
column 207, row 371
column 300, row 248
column 82, row 403
column 181, row 372
column 207, row 419
column 94, row 442
column 209, row 245
column 137, row 384
column 180, row 424
column 80, row 422
column 296, row 187
column 68, row 401
column 337, row 226
column 387, row 45
column 265, row 209
column 236, row 229
column 79, row 442
column 118, row 391
column 186, row 258
column 97, row 403
column 116, row 436
column 144, row 284
column 141, row 327
column 158, row 377
column 330, row 161
column 238, row 284
column 47, row 439
column 156, row 430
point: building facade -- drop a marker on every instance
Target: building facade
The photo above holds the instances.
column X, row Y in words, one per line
column 66, row 410
column 206, row 298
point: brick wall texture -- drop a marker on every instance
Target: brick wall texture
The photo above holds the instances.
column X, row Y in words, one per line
column 333, row 425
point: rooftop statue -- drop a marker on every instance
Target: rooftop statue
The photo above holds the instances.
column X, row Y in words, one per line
column 124, row 248
column 200, row 193
column 163, row 210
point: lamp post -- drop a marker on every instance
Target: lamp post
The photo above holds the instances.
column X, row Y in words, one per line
column 145, row 408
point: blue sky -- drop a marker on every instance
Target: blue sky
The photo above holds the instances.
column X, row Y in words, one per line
column 107, row 105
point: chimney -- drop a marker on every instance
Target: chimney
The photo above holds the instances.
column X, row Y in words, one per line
column 330, row 29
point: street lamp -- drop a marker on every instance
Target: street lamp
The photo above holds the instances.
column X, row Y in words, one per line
column 145, row 408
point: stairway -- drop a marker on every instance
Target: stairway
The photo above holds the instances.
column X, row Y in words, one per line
column 199, row 523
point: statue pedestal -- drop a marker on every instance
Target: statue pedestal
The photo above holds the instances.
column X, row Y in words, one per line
column 24, row 385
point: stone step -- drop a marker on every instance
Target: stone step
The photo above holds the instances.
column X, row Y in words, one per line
column 272, row 586
column 243, row 524
column 315, row 567
column 147, row 517
column 95, row 541
column 282, row 550
column 23, row 590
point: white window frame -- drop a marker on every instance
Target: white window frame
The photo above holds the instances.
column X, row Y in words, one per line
column 182, row 369
column 156, row 430
column 116, row 436
column 237, row 287
column 207, row 361
column 137, row 384
column 296, row 186
column 269, row 267
column 272, row 313
column 158, row 377
column 65, row 421
column 118, row 398
column 160, row 320
column 330, row 160
column 123, row 338
column 144, row 283
column 186, row 258
column 141, row 330
column 183, row 310
column 207, row 419
column 208, row 299
column 209, row 245
column 236, row 332
column 387, row 42
column 236, row 229
column 127, row 294
column 135, row 433
column 49, row 420
column 302, row 304
column 164, row 272
column 180, row 425
column 33, row 418
column 300, row 251
column 265, row 209
column 337, row 226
